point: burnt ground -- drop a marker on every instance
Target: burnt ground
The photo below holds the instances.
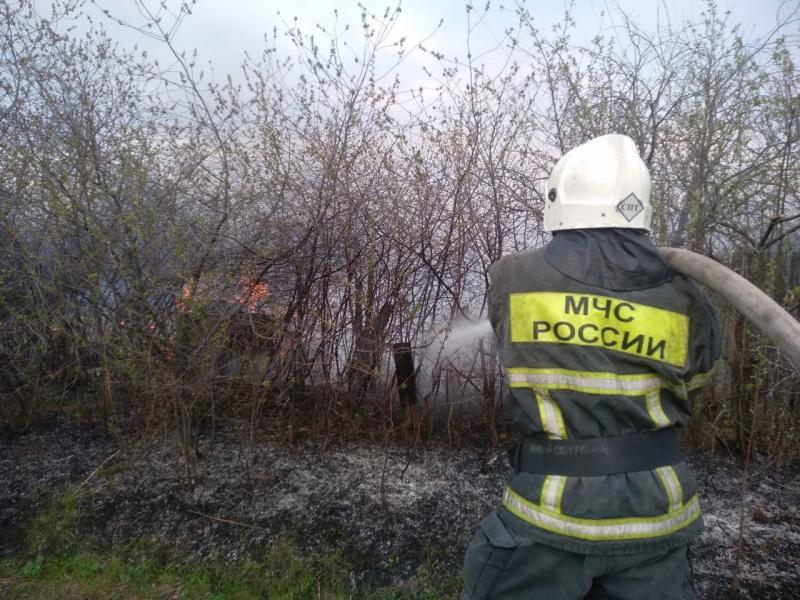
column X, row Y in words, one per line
column 386, row 510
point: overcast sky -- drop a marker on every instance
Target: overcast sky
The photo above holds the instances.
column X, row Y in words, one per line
column 222, row 30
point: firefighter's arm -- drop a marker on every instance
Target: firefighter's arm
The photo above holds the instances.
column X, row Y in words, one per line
column 710, row 348
column 706, row 344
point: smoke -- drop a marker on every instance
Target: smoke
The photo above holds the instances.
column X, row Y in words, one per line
column 462, row 340
column 457, row 346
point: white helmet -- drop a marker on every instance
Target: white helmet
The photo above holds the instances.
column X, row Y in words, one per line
column 602, row 183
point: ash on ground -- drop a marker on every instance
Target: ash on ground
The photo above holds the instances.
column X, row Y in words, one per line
column 385, row 509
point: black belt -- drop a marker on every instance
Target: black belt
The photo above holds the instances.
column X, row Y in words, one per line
column 597, row 456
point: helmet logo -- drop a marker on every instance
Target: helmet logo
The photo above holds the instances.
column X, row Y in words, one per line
column 630, row 207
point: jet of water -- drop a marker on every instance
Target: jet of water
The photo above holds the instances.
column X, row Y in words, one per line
column 463, row 338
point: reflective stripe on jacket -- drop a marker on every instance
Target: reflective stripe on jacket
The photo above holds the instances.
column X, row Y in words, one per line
column 598, row 337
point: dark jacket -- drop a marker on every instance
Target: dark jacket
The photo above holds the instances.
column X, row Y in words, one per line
column 598, row 337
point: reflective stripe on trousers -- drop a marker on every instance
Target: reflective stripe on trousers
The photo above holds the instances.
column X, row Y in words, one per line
column 630, row 528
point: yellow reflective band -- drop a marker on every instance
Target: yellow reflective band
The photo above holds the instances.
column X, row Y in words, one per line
column 701, row 379
column 552, row 491
column 584, row 381
column 591, row 382
column 696, row 382
column 656, row 411
column 550, row 416
column 599, row 321
column 601, row 529
column 672, row 486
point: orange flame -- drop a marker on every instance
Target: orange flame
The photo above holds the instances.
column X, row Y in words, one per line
column 254, row 293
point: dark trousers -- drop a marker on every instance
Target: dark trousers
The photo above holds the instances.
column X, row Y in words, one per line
column 498, row 566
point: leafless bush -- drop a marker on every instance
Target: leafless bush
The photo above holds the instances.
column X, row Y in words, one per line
column 178, row 250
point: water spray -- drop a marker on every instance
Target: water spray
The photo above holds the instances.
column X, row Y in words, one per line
column 461, row 336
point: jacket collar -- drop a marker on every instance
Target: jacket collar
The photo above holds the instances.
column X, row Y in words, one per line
column 613, row 258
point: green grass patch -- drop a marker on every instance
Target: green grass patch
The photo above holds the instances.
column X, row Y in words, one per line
column 283, row 574
column 56, row 528
column 55, row 565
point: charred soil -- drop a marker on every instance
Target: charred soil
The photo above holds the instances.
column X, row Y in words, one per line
column 386, row 510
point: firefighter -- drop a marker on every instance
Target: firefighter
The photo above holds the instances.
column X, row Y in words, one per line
column 604, row 348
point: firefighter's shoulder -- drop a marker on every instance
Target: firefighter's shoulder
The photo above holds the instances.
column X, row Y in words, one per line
column 512, row 262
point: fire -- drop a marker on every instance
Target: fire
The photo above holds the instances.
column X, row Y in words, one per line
column 186, row 297
column 253, row 295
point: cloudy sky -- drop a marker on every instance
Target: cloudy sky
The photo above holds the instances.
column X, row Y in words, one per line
column 222, row 30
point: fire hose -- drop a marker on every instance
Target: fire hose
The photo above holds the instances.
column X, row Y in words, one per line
column 762, row 311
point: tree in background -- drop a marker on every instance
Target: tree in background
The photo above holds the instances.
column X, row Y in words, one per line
column 146, row 208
